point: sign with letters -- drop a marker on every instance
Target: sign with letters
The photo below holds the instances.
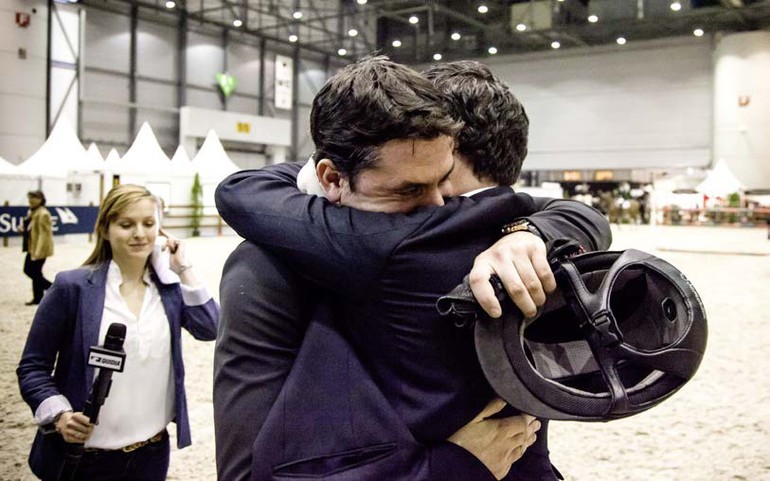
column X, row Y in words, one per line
column 106, row 359
column 284, row 75
column 66, row 219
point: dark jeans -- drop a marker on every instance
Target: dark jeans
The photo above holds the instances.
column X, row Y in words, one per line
column 148, row 463
column 34, row 270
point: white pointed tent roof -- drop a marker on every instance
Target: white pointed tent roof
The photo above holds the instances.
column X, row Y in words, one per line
column 180, row 162
column 144, row 156
column 212, row 162
column 60, row 154
column 720, row 182
column 112, row 160
column 6, row 168
column 94, row 157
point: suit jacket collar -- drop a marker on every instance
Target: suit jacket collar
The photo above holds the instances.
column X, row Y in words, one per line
column 493, row 192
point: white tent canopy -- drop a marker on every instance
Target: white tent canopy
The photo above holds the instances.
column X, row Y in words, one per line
column 144, row 157
column 94, row 158
column 7, row 168
column 720, row 182
column 212, row 162
column 180, row 162
column 112, row 160
column 61, row 153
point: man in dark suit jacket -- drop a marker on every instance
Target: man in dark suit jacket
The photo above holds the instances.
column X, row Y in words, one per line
column 413, row 463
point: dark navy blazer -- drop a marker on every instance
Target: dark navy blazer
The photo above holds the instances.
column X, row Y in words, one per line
column 67, row 324
column 387, row 270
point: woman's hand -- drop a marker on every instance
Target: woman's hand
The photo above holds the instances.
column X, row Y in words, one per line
column 74, row 427
column 176, row 249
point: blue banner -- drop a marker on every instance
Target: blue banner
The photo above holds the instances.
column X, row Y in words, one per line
column 66, row 220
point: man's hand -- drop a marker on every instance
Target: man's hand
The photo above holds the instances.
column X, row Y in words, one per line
column 498, row 443
column 520, row 261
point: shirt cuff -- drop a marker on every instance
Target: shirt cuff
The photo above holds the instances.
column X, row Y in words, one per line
column 49, row 408
column 195, row 295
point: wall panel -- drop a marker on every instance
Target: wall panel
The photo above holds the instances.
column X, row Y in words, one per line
column 649, row 106
column 156, row 51
column 107, row 41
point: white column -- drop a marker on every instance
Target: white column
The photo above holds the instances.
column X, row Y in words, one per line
column 742, row 106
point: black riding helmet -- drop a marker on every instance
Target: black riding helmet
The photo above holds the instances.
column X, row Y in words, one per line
column 622, row 332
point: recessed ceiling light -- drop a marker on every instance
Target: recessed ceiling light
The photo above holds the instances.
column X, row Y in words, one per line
column 555, row 45
column 414, row 19
column 342, row 52
column 593, row 18
column 456, row 36
column 483, row 9
column 521, row 27
column 676, row 6
column 492, row 50
column 436, row 56
column 352, row 32
column 170, row 4
column 698, row 32
column 361, row 2
column 396, row 43
column 297, row 15
column 237, row 22
column 293, row 38
column 621, row 41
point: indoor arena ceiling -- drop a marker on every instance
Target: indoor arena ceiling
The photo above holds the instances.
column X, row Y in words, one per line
column 419, row 31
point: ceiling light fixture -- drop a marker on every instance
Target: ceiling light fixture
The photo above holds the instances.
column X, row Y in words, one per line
column 456, row 36
column 676, row 6
column 396, row 43
column 414, row 19
column 521, row 27
column 555, row 45
column 342, row 52
column 698, row 32
column 437, row 56
column 170, row 4
column 237, row 22
column 483, row 9
column 593, row 18
column 361, row 2
column 293, row 38
column 352, row 32
column 297, row 15
column 492, row 50
column 621, row 41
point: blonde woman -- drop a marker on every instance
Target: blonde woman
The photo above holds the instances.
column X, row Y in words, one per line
column 119, row 282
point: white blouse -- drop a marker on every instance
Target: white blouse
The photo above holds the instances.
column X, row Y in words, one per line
column 141, row 400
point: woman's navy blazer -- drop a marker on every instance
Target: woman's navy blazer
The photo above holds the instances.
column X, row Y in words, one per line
column 67, row 324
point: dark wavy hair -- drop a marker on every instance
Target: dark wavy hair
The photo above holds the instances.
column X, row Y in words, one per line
column 496, row 127
column 38, row 194
column 369, row 103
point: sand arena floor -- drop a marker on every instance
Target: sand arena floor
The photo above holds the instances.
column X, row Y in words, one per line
column 716, row 428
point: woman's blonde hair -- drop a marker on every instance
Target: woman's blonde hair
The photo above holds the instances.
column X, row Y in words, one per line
column 118, row 199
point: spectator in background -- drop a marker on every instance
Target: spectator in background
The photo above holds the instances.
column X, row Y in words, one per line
column 37, row 230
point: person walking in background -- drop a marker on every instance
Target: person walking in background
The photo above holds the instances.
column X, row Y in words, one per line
column 124, row 280
column 37, row 230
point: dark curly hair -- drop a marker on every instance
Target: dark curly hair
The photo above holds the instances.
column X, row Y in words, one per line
column 369, row 103
column 496, row 127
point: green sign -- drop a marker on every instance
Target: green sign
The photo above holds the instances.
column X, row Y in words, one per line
column 226, row 83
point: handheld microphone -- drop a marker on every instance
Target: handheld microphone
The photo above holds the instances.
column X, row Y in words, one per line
column 109, row 358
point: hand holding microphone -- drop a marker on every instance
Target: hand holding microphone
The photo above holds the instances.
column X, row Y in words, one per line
column 74, row 427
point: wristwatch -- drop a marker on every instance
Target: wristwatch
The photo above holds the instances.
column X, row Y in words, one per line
column 519, row 226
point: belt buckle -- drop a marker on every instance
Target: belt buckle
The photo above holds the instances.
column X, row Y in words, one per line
column 134, row 447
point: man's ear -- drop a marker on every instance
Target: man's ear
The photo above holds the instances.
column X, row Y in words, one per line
column 330, row 179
